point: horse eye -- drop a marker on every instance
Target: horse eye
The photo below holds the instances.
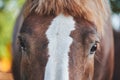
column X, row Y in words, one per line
column 93, row 49
column 22, row 44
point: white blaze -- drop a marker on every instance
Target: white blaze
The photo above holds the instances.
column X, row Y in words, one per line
column 59, row 38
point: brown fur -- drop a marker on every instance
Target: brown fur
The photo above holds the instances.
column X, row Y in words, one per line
column 80, row 66
column 95, row 11
column 92, row 19
column 35, row 57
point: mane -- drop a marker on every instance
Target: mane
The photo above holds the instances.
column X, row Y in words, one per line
column 96, row 11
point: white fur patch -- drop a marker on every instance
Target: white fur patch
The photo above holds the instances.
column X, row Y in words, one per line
column 59, row 38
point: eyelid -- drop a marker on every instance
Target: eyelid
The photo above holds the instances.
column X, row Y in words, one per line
column 20, row 38
column 94, row 42
column 97, row 41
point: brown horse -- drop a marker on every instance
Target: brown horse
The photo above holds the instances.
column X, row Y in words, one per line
column 64, row 40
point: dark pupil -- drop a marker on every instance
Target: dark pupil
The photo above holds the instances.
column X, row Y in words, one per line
column 94, row 48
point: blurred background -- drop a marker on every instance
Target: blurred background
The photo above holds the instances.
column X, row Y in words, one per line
column 9, row 10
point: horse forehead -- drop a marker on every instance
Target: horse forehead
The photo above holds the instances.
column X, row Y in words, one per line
column 36, row 26
column 39, row 24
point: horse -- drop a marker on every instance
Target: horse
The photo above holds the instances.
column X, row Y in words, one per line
column 64, row 40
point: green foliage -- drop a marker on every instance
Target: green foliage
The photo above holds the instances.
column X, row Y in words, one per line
column 115, row 5
column 9, row 10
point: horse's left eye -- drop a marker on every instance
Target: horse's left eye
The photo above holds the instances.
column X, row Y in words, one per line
column 93, row 49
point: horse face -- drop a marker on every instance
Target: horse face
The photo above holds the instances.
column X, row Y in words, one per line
column 57, row 48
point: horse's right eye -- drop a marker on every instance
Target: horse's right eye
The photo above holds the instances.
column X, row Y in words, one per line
column 22, row 44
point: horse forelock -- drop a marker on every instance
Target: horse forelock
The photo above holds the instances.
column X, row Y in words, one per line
column 96, row 11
